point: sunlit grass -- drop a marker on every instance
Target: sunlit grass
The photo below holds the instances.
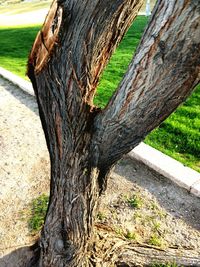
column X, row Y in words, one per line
column 15, row 43
column 119, row 62
column 38, row 211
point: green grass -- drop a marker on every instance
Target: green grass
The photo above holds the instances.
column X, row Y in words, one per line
column 155, row 240
column 119, row 62
column 38, row 212
column 135, row 201
column 15, row 45
column 130, row 235
column 178, row 136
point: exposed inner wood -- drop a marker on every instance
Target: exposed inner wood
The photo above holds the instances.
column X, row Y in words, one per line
column 46, row 38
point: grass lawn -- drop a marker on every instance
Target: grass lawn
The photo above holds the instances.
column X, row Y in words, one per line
column 15, row 45
column 178, row 136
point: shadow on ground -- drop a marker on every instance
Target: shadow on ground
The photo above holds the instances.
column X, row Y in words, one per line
column 17, row 258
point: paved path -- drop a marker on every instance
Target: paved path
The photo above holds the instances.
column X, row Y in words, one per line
column 33, row 17
column 23, row 163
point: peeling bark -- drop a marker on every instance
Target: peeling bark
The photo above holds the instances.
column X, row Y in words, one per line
column 67, row 58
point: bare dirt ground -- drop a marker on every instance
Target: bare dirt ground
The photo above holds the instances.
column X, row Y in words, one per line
column 140, row 206
column 24, row 166
column 150, row 211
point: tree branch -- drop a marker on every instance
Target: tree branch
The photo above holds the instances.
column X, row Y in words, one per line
column 67, row 58
column 81, row 37
column 162, row 74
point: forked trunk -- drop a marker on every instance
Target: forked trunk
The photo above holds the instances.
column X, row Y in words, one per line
column 76, row 182
column 64, row 66
column 67, row 58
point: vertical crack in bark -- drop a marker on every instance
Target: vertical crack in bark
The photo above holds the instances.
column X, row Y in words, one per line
column 58, row 125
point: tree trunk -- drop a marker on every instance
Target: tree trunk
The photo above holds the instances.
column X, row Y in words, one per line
column 67, row 58
column 64, row 66
column 75, row 182
column 67, row 233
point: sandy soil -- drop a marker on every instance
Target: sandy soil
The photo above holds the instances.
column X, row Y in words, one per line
column 164, row 213
column 24, row 165
column 161, row 209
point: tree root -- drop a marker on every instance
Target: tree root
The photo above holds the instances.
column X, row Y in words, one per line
column 111, row 250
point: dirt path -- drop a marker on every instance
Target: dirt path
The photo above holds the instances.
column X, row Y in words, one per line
column 139, row 204
column 23, row 163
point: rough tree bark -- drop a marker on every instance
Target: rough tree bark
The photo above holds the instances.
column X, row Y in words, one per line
column 84, row 142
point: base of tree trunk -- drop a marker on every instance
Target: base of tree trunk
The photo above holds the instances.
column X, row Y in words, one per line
column 115, row 250
column 110, row 250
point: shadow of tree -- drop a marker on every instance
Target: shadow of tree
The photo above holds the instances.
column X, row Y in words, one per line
column 169, row 196
column 22, row 257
